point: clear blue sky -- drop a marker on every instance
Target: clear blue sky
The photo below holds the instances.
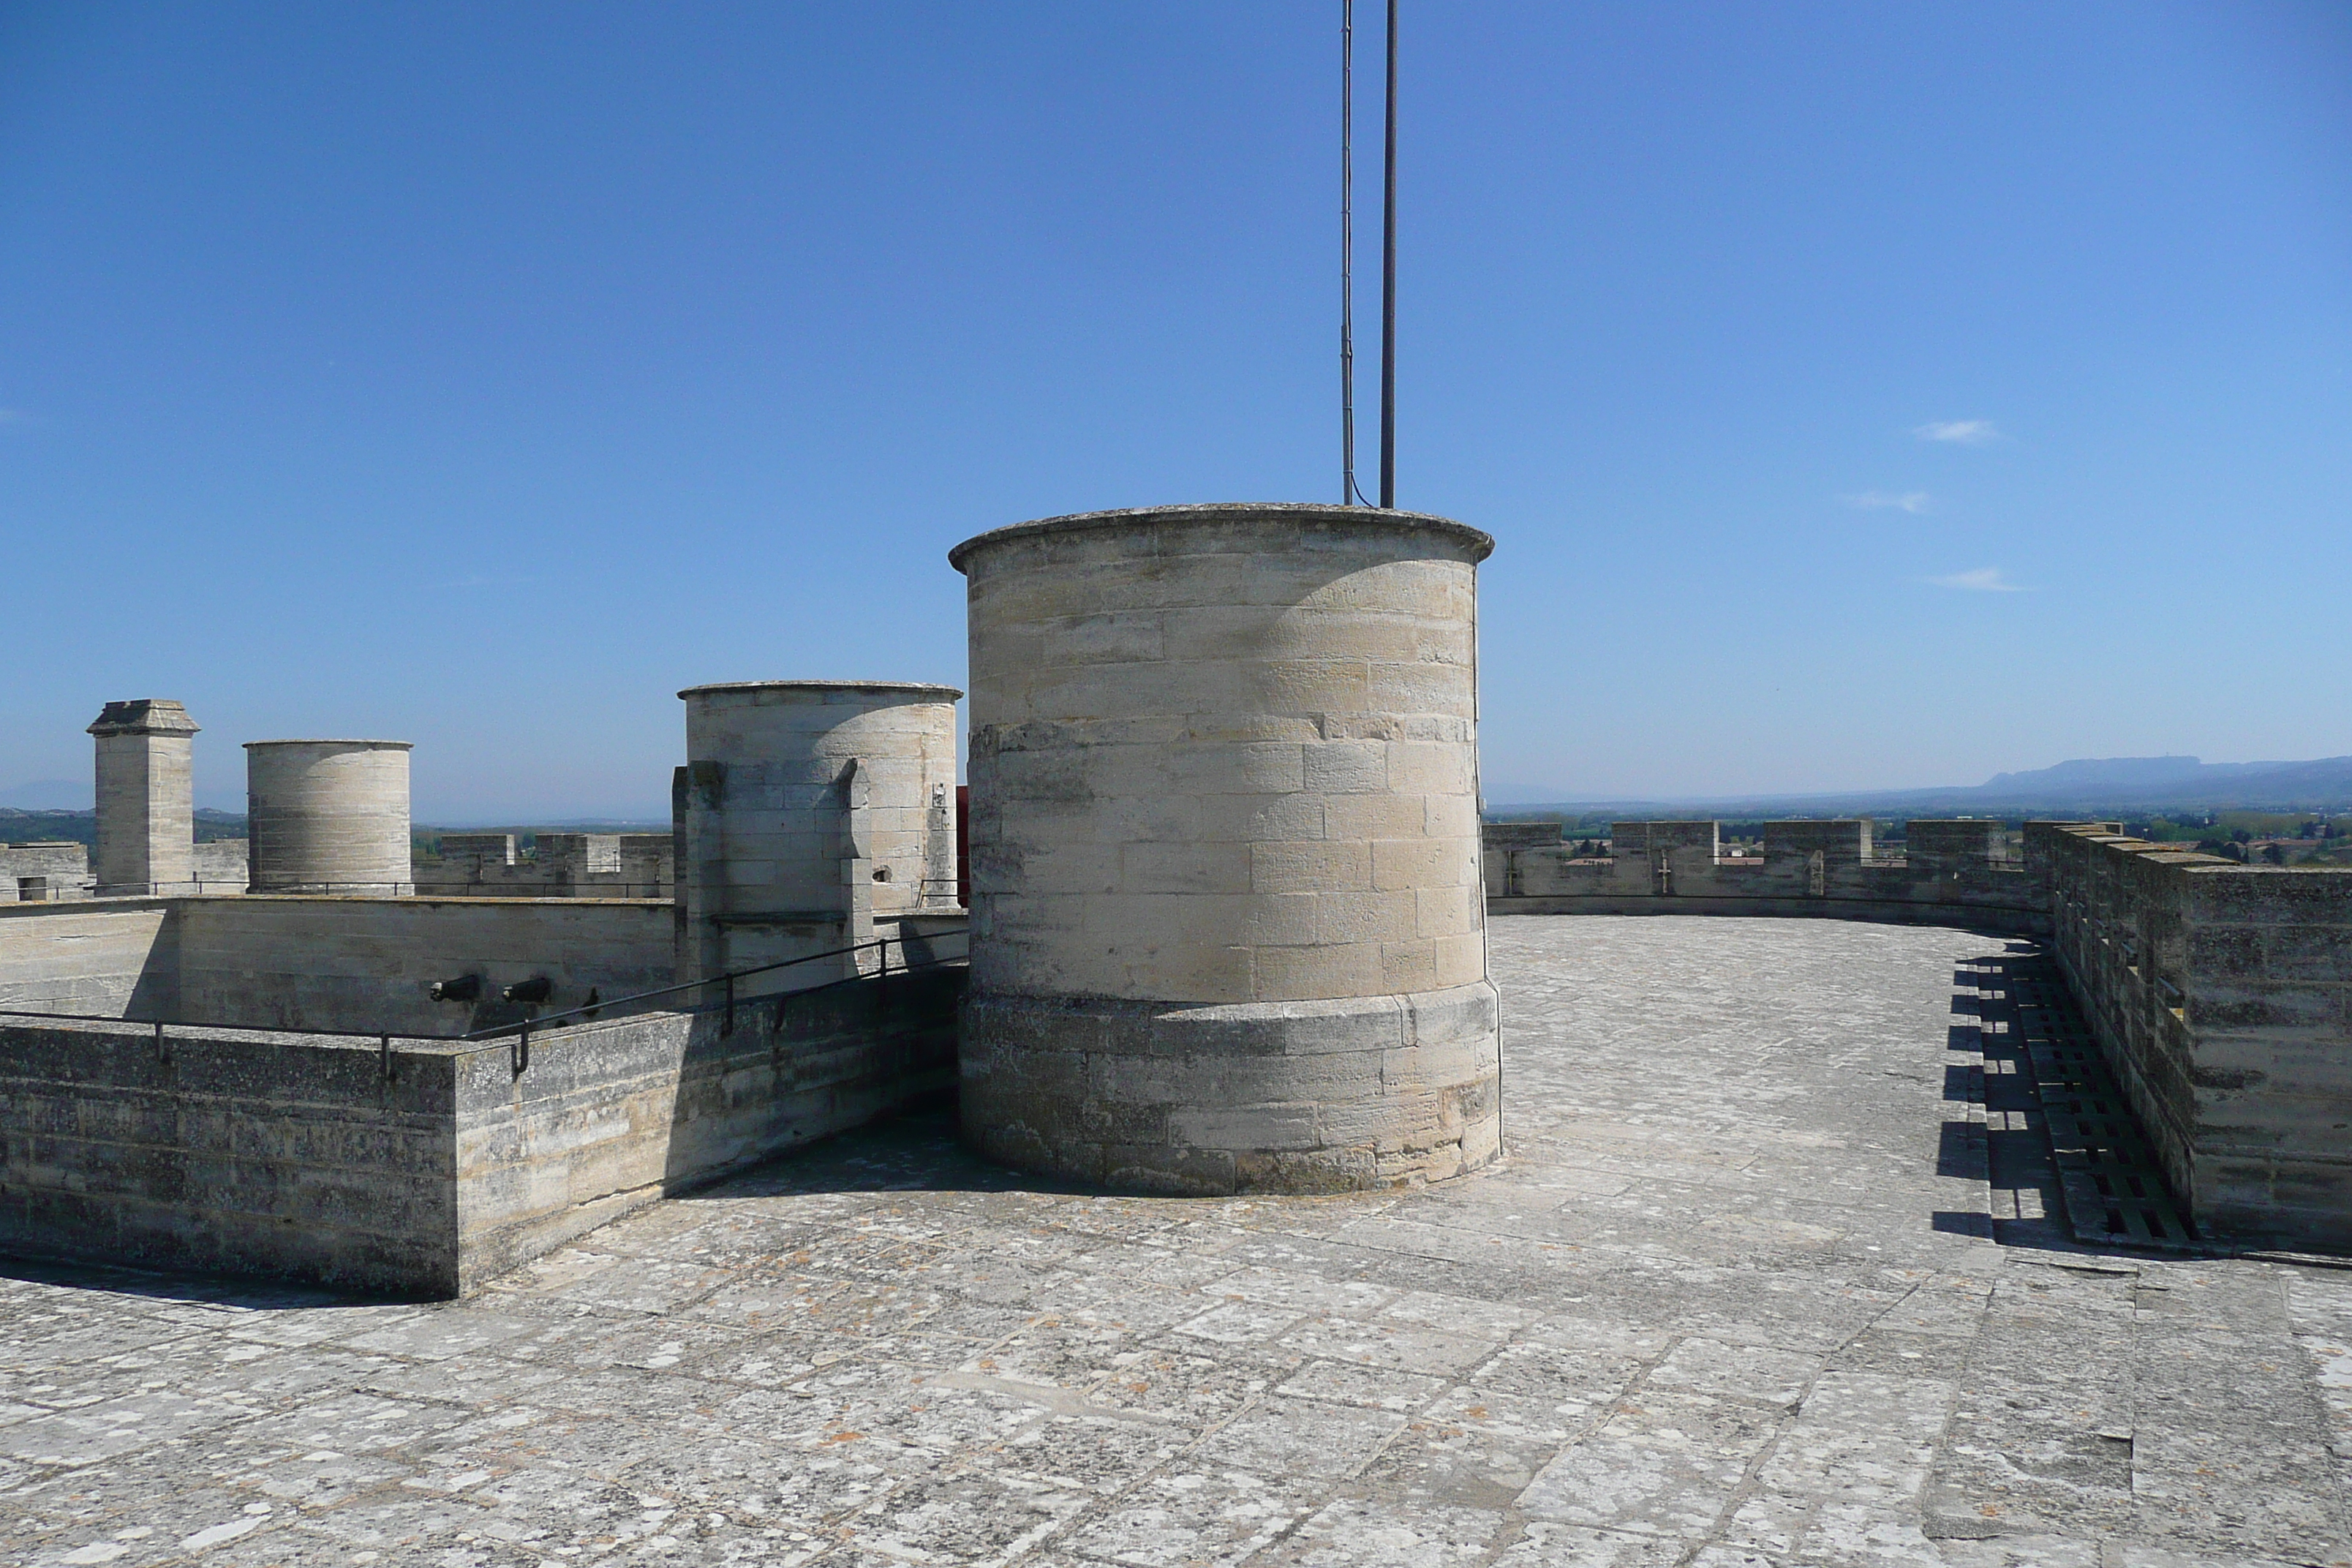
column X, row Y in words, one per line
column 478, row 375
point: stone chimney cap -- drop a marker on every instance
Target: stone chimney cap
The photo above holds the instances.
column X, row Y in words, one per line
column 143, row 716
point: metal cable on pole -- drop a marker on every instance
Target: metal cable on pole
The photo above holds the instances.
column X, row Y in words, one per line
column 1388, row 286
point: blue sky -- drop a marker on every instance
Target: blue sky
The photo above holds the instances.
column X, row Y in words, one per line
column 1870, row 394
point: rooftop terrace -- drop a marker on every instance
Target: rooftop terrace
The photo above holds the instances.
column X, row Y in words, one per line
column 1766, row 1277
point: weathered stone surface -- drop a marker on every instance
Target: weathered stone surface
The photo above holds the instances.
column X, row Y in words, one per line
column 305, row 961
column 1224, row 824
column 328, row 816
column 807, row 811
column 2220, row 996
column 561, row 866
column 298, row 1156
column 1719, row 1307
column 146, row 801
column 1951, row 873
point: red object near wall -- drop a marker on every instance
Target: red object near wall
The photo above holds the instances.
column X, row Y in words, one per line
column 963, row 838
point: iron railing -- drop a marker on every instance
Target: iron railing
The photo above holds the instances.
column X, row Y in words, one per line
column 521, row 1030
column 591, row 1011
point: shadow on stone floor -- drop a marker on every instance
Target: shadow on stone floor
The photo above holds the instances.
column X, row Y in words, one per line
column 915, row 1151
column 246, row 1293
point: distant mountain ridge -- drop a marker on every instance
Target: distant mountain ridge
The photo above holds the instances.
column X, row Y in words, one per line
column 2324, row 780
column 49, row 795
column 2085, row 786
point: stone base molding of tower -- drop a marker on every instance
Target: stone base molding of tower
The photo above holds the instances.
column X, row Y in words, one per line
column 1227, row 927
column 146, row 800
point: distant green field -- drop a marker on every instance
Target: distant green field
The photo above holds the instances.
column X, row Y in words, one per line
column 81, row 827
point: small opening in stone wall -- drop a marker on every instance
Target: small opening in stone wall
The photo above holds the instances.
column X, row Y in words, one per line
column 881, row 873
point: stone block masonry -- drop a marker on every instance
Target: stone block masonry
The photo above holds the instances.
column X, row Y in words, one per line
column 2220, row 996
column 108, row 958
column 807, row 811
column 1226, row 933
column 301, row 1157
column 1954, row 874
column 146, row 805
column 329, row 817
column 52, row 871
column 561, row 866
column 324, row 962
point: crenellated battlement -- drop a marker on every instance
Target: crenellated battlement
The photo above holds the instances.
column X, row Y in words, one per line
column 1955, row 872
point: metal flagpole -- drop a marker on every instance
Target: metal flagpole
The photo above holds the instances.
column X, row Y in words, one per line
column 1388, row 287
column 1348, row 494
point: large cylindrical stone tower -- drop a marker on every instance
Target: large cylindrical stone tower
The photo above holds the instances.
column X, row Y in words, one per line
column 807, row 811
column 1227, row 932
column 328, row 816
column 146, row 805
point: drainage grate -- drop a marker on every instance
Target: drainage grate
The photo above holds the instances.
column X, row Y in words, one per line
column 2107, row 1172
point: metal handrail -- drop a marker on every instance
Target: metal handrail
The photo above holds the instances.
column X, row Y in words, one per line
column 197, row 887
column 201, row 1024
column 596, row 1009
column 524, row 1028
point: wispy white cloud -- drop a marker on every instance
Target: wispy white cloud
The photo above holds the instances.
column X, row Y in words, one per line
column 1963, row 432
column 1913, row 502
column 1983, row 580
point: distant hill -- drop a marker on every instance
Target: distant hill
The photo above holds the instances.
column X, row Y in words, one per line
column 51, row 794
column 2086, row 786
column 2188, row 779
column 81, row 827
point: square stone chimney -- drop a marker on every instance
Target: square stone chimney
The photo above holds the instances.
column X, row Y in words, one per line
column 146, row 799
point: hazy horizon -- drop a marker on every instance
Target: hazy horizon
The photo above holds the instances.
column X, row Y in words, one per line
column 81, row 792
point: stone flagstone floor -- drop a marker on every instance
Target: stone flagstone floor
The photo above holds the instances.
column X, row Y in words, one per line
column 1741, row 1294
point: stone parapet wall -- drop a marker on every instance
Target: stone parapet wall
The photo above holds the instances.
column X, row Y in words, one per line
column 1822, row 868
column 231, row 1152
column 561, row 866
column 218, row 866
column 297, row 961
column 104, row 958
column 300, row 1156
column 46, row 873
column 2220, row 996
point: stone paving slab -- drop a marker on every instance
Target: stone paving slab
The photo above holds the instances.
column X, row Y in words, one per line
column 1769, row 1277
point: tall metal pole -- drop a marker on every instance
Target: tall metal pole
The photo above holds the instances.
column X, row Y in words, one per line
column 1348, row 495
column 1388, row 287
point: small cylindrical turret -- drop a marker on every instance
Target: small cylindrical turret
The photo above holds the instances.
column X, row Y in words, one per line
column 807, row 811
column 329, row 817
